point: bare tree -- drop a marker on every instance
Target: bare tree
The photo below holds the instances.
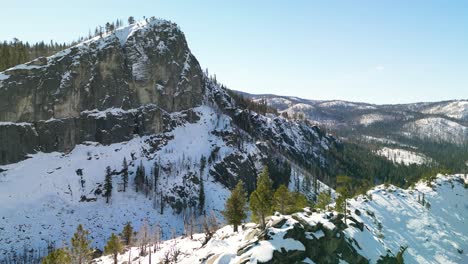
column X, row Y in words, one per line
column 209, row 225
column 191, row 224
column 143, row 237
column 157, row 236
column 166, row 257
column 175, row 253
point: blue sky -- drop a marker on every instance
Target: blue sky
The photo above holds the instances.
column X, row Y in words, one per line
column 373, row 51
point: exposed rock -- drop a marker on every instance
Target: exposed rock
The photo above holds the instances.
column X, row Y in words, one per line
column 73, row 96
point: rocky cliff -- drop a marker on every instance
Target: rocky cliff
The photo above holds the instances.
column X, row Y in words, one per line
column 105, row 89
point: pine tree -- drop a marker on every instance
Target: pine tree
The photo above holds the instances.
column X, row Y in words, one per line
column 281, row 199
column 80, row 251
column 202, row 165
column 323, row 200
column 261, row 199
column 127, row 234
column 131, row 20
column 125, row 174
column 146, row 185
column 58, row 256
column 343, row 189
column 201, row 196
column 236, row 206
column 161, row 209
column 114, row 247
column 140, row 176
column 298, row 202
column 108, row 27
column 108, row 184
column 156, row 176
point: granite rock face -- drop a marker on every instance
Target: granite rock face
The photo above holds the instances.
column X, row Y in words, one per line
column 104, row 89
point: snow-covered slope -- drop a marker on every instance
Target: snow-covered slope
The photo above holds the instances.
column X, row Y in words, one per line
column 369, row 119
column 44, row 198
column 438, row 129
column 403, row 156
column 435, row 231
column 381, row 222
column 438, row 121
column 455, row 109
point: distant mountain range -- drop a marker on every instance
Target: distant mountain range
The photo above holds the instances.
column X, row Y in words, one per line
column 444, row 121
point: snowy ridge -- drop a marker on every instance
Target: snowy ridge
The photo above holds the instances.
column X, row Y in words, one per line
column 434, row 230
column 122, row 34
column 390, row 218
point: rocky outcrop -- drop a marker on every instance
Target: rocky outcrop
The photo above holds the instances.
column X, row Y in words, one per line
column 106, row 127
column 105, row 90
column 319, row 237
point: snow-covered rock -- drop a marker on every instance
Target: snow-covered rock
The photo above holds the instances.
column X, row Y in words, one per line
column 380, row 224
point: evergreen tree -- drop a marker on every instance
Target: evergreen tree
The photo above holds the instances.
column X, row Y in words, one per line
column 343, row 189
column 114, row 247
column 156, row 176
column 201, row 196
column 286, row 202
column 80, row 251
column 202, row 165
column 281, row 199
column 261, row 200
column 140, row 176
column 298, row 202
column 161, row 209
column 108, row 184
column 131, row 20
column 236, row 206
column 125, row 174
column 127, row 234
column 323, row 200
column 58, row 256
column 108, row 27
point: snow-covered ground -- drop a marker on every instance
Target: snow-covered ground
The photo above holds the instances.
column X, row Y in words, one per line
column 344, row 104
column 369, row 119
column 434, row 234
column 392, row 218
column 40, row 196
column 403, row 156
column 437, row 128
column 456, row 109
column 45, row 197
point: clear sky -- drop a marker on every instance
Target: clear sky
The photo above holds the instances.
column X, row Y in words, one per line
column 377, row 51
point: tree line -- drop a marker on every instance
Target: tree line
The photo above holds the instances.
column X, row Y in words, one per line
column 16, row 52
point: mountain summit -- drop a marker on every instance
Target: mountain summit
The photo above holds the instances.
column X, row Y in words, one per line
column 139, row 71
